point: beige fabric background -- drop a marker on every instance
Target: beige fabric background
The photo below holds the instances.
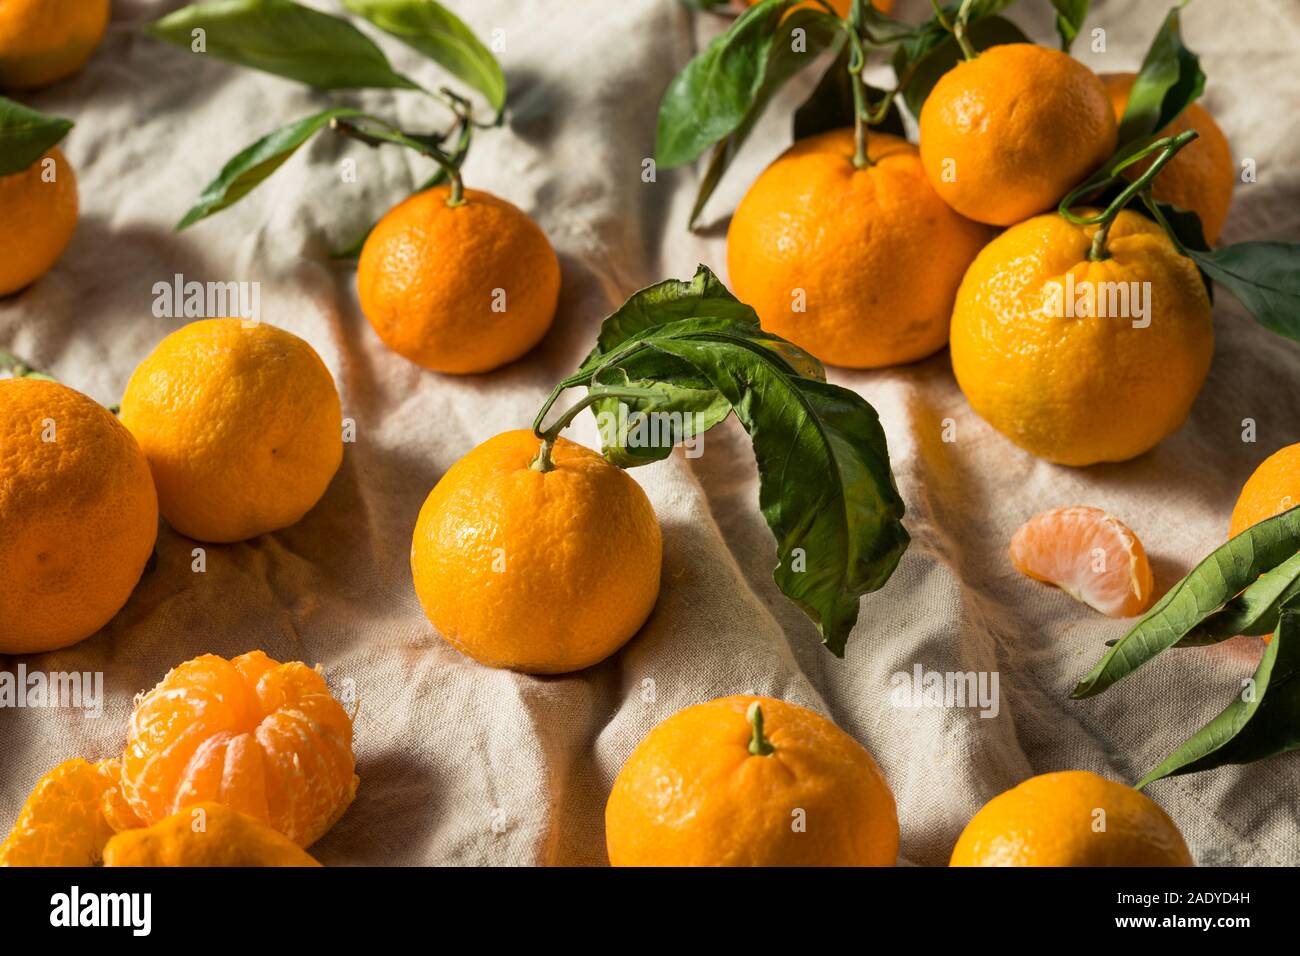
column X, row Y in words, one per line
column 460, row 764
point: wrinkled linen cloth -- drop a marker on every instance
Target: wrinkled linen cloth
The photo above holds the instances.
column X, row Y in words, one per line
column 461, row 764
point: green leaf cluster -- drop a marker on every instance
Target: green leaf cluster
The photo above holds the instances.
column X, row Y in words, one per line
column 826, row 489
column 327, row 52
column 1251, row 585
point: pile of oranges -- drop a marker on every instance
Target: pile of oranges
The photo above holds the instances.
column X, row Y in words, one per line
column 865, row 258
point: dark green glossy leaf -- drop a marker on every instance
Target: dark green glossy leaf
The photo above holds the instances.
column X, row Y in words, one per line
column 723, row 90
column 826, row 489
column 249, row 168
column 831, row 104
column 924, row 72
column 26, row 135
column 1070, row 15
column 1265, row 278
column 1169, row 79
column 1263, row 720
column 1223, row 575
column 819, row 32
column 283, row 38
column 440, row 35
column 1254, row 611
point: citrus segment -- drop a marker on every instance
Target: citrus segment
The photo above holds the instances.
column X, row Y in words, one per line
column 1088, row 554
column 205, row 834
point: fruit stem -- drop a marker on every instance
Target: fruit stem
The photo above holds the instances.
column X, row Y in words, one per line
column 857, row 61
column 759, row 745
column 958, row 27
column 595, row 393
column 387, row 133
column 21, row 368
column 1167, row 146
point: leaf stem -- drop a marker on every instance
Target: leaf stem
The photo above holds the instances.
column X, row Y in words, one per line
column 759, row 745
column 595, row 394
column 1168, row 147
column 958, row 27
column 857, row 62
column 425, row 145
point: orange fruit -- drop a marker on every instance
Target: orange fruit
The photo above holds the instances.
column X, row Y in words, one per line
column 1201, row 175
column 1071, row 818
column 255, row 735
column 1009, row 133
column 750, row 781
column 1079, row 389
column 38, row 214
column 1089, row 555
column 205, row 834
column 79, row 514
column 545, row 572
column 458, row 289
column 857, row 266
column 63, row 823
column 1274, row 487
column 241, row 424
column 45, row 40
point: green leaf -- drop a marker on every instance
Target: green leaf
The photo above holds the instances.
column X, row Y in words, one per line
column 825, row 486
column 1263, row 720
column 831, row 104
column 1254, row 611
column 723, row 89
column 820, row 32
column 1264, row 276
column 1170, row 78
column 283, row 38
column 1070, row 15
column 924, row 72
column 440, row 35
column 1223, row 575
column 26, row 135
column 246, row 171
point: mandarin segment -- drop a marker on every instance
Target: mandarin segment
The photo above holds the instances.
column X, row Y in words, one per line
column 206, row 834
column 264, row 738
column 62, row 823
column 1092, row 556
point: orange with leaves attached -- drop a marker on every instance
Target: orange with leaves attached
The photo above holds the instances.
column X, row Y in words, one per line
column 458, row 288
column 1274, row 487
column 544, row 571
